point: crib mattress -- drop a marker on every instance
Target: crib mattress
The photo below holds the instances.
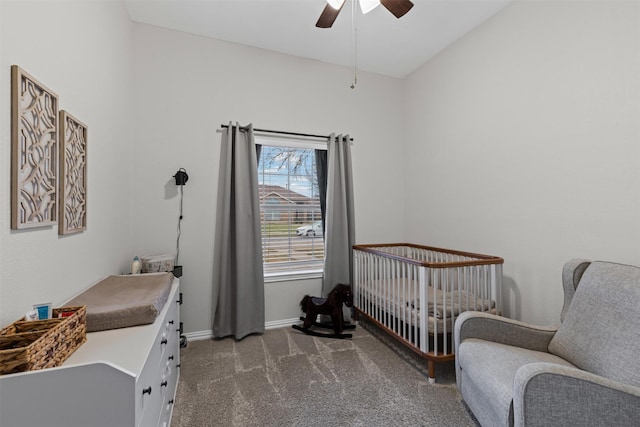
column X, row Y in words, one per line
column 121, row 301
column 442, row 308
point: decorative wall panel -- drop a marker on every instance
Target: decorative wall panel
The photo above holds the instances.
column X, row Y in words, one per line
column 34, row 156
column 73, row 175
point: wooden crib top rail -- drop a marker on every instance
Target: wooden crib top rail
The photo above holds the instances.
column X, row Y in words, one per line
column 428, row 256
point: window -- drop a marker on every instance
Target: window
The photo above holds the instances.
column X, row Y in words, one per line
column 290, row 216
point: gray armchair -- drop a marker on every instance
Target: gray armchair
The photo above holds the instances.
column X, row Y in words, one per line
column 586, row 372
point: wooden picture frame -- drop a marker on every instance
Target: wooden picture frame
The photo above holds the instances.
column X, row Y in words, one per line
column 73, row 175
column 34, row 156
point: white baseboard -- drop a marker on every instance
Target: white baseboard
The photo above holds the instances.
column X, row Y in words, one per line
column 199, row 335
column 281, row 323
column 203, row 335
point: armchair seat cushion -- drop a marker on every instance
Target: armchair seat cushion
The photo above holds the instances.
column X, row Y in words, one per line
column 489, row 370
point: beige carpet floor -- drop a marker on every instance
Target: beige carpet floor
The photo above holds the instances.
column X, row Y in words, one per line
column 286, row 378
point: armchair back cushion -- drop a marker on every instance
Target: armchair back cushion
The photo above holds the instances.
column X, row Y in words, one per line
column 599, row 331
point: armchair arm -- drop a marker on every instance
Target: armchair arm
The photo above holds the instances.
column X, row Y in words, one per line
column 489, row 327
column 546, row 394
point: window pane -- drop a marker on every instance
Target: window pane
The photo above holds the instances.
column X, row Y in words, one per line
column 292, row 237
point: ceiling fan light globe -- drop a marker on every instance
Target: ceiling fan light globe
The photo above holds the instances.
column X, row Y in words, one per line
column 336, row 4
column 368, row 5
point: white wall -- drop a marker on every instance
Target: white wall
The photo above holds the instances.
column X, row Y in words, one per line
column 524, row 142
column 187, row 86
column 82, row 51
column 521, row 141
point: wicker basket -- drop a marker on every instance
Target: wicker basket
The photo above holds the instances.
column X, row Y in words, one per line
column 38, row 344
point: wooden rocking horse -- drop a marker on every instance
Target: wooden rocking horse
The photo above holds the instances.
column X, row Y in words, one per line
column 332, row 306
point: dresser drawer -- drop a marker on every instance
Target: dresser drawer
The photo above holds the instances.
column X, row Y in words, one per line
column 149, row 393
column 171, row 375
column 157, row 380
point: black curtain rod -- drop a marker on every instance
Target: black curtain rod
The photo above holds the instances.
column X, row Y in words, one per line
column 286, row 133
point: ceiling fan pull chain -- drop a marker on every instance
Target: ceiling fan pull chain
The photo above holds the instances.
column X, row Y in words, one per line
column 354, row 28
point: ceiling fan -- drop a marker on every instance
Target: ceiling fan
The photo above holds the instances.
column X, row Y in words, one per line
column 333, row 8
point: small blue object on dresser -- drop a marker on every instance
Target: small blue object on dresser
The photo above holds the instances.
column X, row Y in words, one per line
column 44, row 310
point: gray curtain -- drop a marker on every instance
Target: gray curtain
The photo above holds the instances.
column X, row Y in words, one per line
column 238, row 278
column 340, row 233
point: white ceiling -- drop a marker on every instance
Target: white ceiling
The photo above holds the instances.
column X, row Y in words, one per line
column 385, row 44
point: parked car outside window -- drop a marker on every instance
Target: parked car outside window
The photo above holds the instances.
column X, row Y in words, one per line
column 314, row 229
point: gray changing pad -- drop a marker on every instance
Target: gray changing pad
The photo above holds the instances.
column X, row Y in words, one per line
column 122, row 301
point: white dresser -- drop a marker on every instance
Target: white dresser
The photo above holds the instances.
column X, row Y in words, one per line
column 118, row 378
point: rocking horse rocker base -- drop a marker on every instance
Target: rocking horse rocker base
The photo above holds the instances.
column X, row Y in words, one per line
column 324, row 326
column 332, row 306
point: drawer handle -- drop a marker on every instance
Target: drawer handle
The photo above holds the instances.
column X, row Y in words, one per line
column 178, row 365
column 163, row 384
column 171, row 357
column 171, row 322
column 163, row 341
column 170, row 402
column 146, row 391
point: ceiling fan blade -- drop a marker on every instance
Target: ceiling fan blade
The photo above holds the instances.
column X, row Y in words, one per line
column 328, row 16
column 397, row 7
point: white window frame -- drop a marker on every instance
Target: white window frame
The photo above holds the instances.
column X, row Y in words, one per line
column 287, row 141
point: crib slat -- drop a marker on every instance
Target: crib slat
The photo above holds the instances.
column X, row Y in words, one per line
column 423, row 333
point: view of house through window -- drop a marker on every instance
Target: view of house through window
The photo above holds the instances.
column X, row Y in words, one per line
column 290, row 216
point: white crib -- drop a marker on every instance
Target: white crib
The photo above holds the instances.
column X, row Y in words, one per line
column 394, row 284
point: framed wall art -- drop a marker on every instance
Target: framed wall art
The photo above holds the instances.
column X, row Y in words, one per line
column 34, row 156
column 73, row 175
